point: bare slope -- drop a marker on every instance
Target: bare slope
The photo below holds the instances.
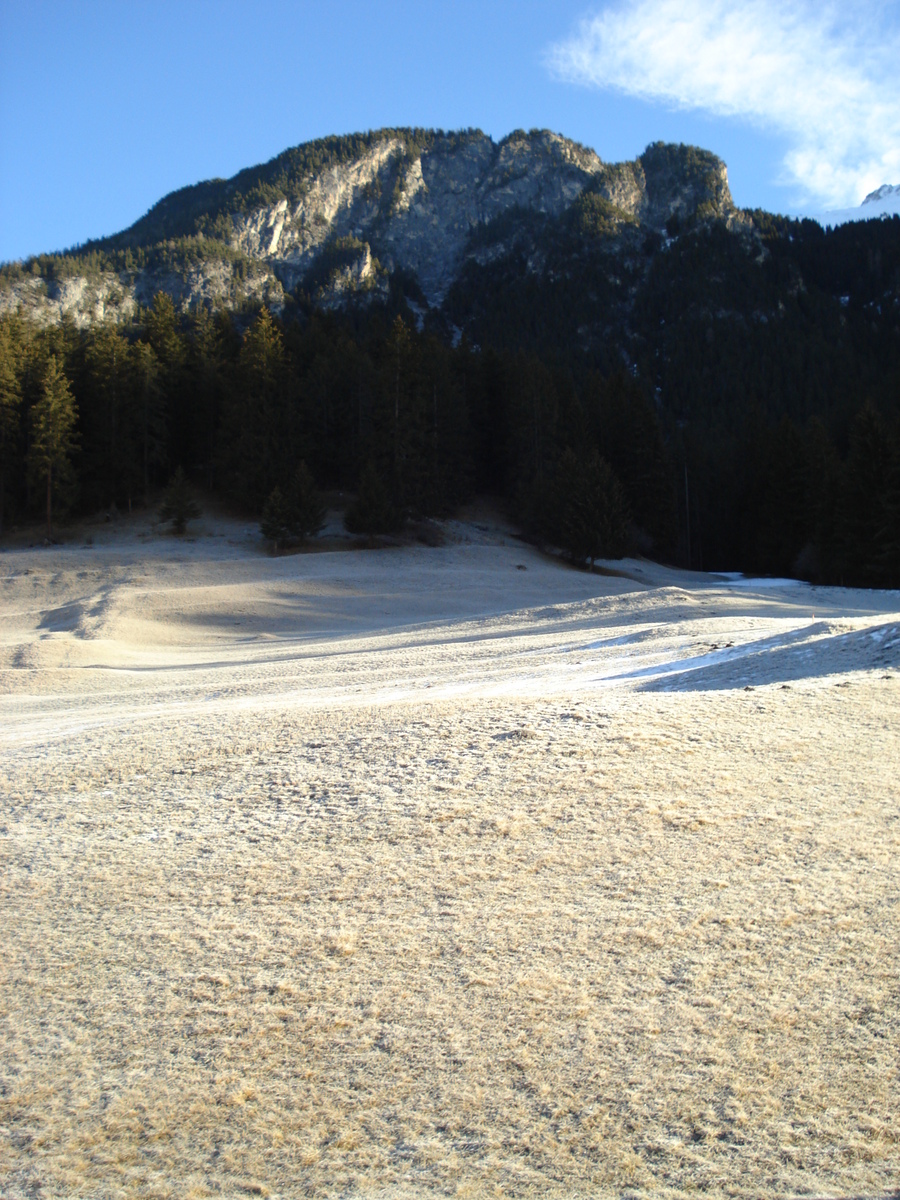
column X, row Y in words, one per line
column 413, row 872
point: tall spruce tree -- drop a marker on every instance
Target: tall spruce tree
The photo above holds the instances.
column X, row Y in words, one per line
column 10, row 404
column 821, row 478
column 398, row 380
column 205, row 370
column 53, row 436
column 590, row 510
column 257, row 414
column 149, row 412
column 109, row 385
column 863, row 521
column 161, row 330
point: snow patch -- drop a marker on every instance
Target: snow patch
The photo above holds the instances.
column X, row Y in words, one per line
column 882, row 204
column 734, row 580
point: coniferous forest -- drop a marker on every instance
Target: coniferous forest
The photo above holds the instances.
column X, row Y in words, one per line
column 690, row 400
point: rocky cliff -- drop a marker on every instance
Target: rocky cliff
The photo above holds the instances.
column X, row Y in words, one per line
column 337, row 218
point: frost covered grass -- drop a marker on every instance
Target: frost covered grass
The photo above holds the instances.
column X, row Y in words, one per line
column 538, row 891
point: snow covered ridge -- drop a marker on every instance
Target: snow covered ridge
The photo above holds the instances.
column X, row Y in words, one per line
column 883, row 203
column 882, row 193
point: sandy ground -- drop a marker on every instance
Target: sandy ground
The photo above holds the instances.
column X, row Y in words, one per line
column 442, row 871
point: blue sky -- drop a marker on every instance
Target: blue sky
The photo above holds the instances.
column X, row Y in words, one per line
column 105, row 107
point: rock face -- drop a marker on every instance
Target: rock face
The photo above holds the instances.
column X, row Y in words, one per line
column 340, row 202
column 86, row 300
column 445, row 196
column 436, row 200
column 418, row 203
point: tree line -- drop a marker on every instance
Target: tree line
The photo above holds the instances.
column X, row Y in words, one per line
column 259, row 410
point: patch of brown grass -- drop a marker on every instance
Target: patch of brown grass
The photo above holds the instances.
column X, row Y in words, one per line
column 387, row 951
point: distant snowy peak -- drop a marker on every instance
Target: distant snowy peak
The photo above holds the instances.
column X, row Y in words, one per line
column 886, row 189
column 884, row 202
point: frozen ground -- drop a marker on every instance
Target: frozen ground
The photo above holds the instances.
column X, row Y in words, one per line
column 412, row 871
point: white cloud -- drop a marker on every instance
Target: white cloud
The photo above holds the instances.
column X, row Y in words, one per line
column 829, row 82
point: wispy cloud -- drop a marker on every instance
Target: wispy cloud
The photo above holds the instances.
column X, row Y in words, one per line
column 829, row 82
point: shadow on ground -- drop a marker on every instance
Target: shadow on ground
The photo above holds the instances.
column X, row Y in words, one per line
column 811, row 653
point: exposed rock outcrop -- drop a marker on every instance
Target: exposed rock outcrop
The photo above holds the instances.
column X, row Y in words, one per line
column 414, row 200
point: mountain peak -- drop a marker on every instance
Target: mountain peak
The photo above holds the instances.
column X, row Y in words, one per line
column 882, row 204
column 342, row 214
column 886, row 189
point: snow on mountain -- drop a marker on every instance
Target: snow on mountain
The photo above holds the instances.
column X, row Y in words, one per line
column 884, row 202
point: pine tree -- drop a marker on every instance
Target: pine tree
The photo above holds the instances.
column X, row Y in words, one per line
column 629, row 437
column 862, row 519
column 53, row 436
column 276, row 524
column 397, row 409
column 10, row 405
column 162, row 331
column 307, row 512
column 372, row 512
column 821, row 477
column 206, row 376
column 258, row 414
column 888, row 535
column 780, row 516
column 179, row 505
column 109, row 388
column 590, row 507
column 149, row 412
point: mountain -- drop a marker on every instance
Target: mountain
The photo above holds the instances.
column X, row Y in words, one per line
column 340, row 217
column 883, row 203
column 419, row 316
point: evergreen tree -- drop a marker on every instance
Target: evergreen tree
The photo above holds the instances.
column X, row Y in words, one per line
column 591, row 514
column 372, row 512
column 257, row 415
column 10, row 405
column 744, row 368
column 888, row 535
column 53, row 436
column 206, row 366
column 821, row 478
column 149, row 413
column 780, row 518
column 397, row 383
column 306, row 510
column 629, row 437
column 863, row 517
column 162, row 330
column 108, row 427
column 179, row 505
column 276, row 523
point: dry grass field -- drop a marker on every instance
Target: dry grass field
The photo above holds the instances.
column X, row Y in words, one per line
column 410, row 872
